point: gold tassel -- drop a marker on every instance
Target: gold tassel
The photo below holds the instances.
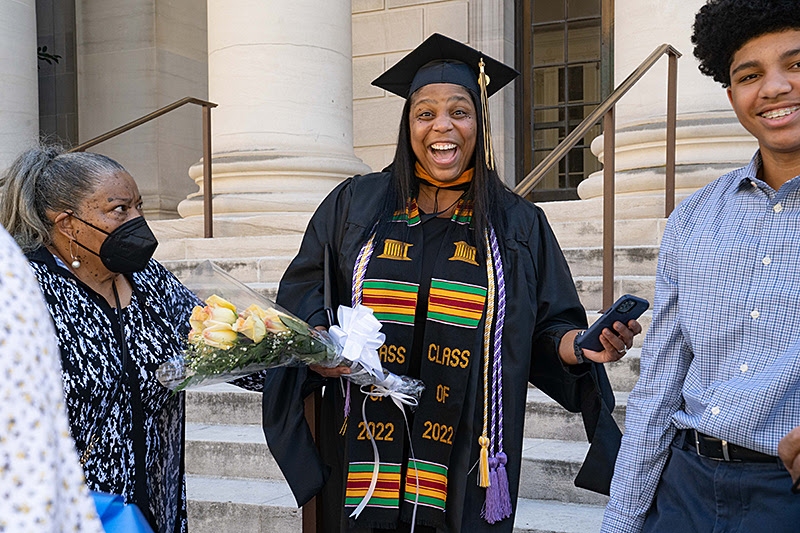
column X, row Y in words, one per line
column 483, row 475
column 483, row 81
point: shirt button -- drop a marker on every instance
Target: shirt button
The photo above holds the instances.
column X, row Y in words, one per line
column 778, row 207
column 766, row 260
column 754, row 184
column 715, row 410
column 743, row 368
column 754, row 313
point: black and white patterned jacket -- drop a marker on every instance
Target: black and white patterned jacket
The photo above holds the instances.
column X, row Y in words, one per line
column 155, row 323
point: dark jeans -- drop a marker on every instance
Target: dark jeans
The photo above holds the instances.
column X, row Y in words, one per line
column 699, row 495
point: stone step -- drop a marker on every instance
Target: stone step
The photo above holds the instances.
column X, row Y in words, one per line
column 590, row 289
column 544, row 516
column 248, row 270
column 549, row 467
column 624, row 374
column 632, row 232
column 223, row 404
column 264, row 259
column 238, row 247
column 628, row 260
column 218, row 505
column 238, row 451
column 275, row 223
column 228, row 505
column 546, row 419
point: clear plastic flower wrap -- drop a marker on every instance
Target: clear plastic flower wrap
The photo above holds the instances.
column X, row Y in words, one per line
column 239, row 332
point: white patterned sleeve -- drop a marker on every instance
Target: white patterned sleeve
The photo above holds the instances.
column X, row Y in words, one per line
column 41, row 481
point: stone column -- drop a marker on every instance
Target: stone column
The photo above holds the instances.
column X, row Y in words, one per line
column 281, row 73
column 19, row 104
column 135, row 56
column 710, row 141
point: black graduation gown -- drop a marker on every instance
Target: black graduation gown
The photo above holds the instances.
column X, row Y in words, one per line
column 542, row 304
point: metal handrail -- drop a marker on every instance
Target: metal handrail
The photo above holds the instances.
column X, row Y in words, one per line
column 208, row 219
column 606, row 111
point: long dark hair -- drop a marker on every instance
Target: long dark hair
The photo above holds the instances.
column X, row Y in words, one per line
column 485, row 191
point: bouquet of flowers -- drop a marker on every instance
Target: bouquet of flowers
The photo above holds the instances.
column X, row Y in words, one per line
column 240, row 332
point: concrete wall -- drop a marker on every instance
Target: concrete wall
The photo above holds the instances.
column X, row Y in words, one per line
column 386, row 30
column 135, row 56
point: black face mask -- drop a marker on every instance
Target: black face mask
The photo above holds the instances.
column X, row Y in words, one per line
column 126, row 249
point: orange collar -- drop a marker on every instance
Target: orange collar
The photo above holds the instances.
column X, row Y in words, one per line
column 422, row 174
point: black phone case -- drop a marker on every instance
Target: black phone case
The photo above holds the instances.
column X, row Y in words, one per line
column 590, row 339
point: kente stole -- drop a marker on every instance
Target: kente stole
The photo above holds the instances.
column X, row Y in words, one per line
column 387, row 279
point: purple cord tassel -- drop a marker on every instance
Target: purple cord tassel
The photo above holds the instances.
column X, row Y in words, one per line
column 491, row 507
column 502, row 486
column 347, row 400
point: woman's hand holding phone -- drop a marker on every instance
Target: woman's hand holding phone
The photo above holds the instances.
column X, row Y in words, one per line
column 615, row 345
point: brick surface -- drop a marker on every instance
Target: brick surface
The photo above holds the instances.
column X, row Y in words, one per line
column 450, row 18
column 376, row 121
column 387, row 32
column 361, row 6
column 366, row 69
column 406, row 3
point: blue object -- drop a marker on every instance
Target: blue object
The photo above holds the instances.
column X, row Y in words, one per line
column 698, row 494
column 624, row 310
column 118, row 516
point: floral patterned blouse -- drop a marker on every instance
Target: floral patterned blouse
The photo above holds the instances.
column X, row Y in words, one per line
column 41, row 483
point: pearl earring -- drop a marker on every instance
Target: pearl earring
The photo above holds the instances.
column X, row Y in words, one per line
column 75, row 263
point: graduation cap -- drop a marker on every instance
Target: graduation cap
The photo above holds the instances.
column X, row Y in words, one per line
column 440, row 59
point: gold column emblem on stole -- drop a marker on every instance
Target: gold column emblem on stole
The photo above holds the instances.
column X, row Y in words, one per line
column 397, row 250
column 464, row 252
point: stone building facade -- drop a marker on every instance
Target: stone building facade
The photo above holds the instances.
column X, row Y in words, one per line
column 297, row 112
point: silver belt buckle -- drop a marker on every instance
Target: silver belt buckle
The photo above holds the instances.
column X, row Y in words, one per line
column 697, row 442
column 725, row 454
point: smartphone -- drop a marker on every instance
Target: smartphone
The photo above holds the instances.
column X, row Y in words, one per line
column 627, row 308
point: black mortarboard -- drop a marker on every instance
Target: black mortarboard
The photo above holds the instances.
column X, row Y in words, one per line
column 440, row 59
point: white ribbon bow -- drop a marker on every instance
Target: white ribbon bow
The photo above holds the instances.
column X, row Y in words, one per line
column 400, row 399
column 359, row 337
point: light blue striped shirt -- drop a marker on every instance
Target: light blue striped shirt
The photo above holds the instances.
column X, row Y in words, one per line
column 721, row 355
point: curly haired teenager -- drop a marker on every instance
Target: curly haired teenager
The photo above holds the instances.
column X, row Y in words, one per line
column 720, row 372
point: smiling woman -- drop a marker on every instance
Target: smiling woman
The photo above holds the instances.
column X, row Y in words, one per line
column 444, row 127
column 465, row 277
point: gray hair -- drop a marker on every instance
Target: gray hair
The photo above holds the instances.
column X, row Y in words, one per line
column 43, row 180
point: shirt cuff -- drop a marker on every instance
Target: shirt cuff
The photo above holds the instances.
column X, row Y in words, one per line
column 614, row 522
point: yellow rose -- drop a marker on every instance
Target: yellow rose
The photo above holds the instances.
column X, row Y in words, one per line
column 216, row 301
column 219, row 335
column 275, row 326
column 195, row 334
column 199, row 316
column 251, row 327
column 255, row 310
column 220, row 314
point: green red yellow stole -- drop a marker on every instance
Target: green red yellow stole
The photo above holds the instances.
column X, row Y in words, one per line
column 387, row 279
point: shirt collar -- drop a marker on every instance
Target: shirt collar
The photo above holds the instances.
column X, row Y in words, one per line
column 749, row 174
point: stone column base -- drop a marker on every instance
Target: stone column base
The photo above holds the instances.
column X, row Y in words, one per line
column 709, row 145
column 254, row 183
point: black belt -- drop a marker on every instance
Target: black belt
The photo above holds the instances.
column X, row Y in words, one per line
column 721, row 450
